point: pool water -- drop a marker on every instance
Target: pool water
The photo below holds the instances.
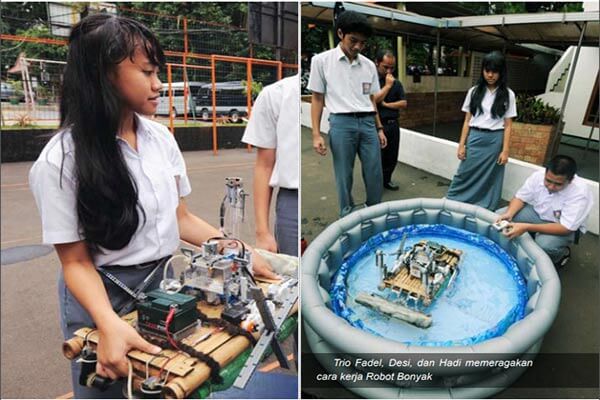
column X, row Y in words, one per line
column 487, row 296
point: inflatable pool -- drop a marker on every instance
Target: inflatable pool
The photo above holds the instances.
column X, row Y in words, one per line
column 517, row 332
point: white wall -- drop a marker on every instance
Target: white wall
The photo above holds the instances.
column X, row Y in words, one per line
column 579, row 96
column 438, row 156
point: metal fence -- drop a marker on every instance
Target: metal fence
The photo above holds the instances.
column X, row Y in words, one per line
column 222, row 92
column 203, row 84
column 32, row 98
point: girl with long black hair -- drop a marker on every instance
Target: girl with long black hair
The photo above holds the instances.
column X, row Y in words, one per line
column 110, row 185
column 485, row 137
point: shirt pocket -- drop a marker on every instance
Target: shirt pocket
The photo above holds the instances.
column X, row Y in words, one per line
column 171, row 186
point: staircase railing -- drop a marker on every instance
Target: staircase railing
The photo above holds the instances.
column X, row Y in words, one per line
column 560, row 71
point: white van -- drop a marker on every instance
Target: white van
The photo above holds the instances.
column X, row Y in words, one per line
column 230, row 98
column 178, row 107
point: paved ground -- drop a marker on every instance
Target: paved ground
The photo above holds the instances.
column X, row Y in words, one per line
column 32, row 362
column 576, row 327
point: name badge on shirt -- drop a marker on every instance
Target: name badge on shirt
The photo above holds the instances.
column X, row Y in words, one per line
column 557, row 214
column 366, row 87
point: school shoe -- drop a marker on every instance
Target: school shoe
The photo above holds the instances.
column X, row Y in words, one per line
column 391, row 186
column 562, row 263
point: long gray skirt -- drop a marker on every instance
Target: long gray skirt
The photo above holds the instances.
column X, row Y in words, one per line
column 478, row 179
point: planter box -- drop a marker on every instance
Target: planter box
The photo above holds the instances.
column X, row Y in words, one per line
column 200, row 138
column 27, row 144
column 531, row 142
column 24, row 144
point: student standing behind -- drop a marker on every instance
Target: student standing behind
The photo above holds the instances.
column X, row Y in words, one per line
column 390, row 100
column 552, row 205
column 346, row 81
column 274, row 130
column 109, row 187
column 485, row 138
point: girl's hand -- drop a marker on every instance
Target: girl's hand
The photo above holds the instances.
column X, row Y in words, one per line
column 503, row 158
column 116, row 339
column 266, row 241
column 462, row 152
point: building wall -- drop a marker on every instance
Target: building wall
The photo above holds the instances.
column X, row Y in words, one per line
column 420, row 108
column 524, row 75
column 579, row 97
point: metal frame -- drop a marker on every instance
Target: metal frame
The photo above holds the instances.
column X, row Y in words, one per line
column 480, row 22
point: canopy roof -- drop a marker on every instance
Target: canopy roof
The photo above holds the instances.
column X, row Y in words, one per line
column 484, row 33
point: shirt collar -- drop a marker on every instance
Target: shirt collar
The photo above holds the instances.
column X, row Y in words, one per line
column 340, row 55
column 143, row 128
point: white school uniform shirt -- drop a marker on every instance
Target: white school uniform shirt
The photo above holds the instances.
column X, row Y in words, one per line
column 347, row 85
column 159, row 171
column 485, row 120
column 274, row 125
column 570, row 207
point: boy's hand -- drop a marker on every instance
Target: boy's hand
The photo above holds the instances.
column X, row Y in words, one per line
column 319, row 145
column 515, row 230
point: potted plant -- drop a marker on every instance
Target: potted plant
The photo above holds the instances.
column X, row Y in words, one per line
column 533, row 130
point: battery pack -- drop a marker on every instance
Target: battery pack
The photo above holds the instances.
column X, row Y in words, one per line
column 153, row 312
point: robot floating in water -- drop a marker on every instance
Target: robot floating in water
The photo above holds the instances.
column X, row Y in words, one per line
column 418, row 276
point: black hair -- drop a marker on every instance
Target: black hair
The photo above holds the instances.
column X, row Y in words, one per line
column 563, row 166
column 353, row 22
column 383, row 53
column 90, row 107
column 493, row 61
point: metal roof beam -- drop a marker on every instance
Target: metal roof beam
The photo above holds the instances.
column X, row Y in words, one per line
column 517, row 19
column 382, row 12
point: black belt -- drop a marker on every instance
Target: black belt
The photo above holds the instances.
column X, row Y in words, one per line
column 358, row 114
column 137, row 293
column 137, row 266
column 288, row 190
column 486, row 130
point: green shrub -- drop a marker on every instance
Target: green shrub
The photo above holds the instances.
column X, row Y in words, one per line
column 534, row 111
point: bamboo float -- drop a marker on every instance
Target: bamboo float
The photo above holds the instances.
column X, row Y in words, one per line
column 186, row 373
column 394, row 310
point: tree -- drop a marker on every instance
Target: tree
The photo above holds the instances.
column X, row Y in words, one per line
column 314, row 38
column 376, row 43
column 213, row 27
column 11, row 49
column 487, row 8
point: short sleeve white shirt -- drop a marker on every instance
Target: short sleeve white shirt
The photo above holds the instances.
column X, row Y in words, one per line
column 347, row 85
column 485, row 120
column 570, row 207
column 160, row 174
column 274, row 125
